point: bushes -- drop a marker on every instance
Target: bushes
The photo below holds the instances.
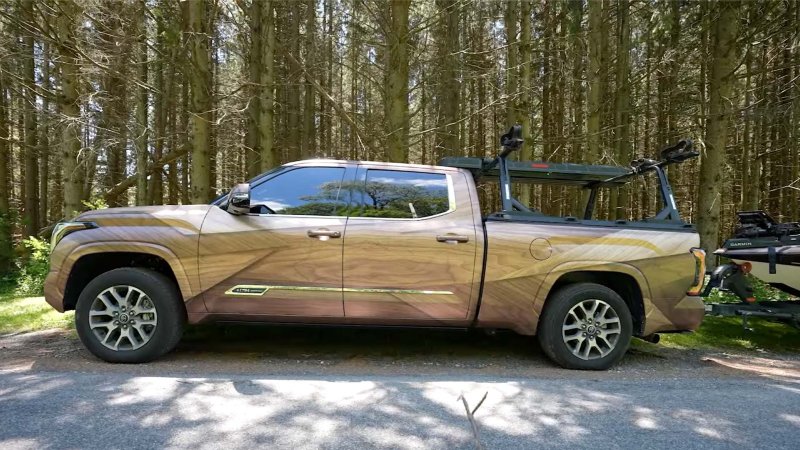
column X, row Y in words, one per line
column 33, row 268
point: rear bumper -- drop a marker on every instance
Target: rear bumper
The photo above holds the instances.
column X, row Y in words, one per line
column 52, row 291
column 686, row 315
column 689, row 313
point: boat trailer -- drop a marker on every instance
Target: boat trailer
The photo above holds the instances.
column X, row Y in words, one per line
column 731, row 278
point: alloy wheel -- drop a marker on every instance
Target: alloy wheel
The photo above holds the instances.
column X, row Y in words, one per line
column 123, row 318
column 591, row 329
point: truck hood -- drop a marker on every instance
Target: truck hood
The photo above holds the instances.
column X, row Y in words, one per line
column 189, row 216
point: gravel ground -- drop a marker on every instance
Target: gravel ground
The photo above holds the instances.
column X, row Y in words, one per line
column 242, row 387
column 314, row 350
column 241, row 349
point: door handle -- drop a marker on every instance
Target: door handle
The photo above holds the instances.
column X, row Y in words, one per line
column 452, row 238
column 322, row 232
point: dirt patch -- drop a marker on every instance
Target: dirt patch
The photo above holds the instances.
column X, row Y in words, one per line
column 776, row 366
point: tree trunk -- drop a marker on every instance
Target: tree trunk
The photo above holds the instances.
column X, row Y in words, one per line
column 325, row 105
column 293, row 103
column 526, row 94
column 622, row 104
column 723, row 64
column 576, row 95
column 510, row 22
column 397, row 121
column 269, row 157
column 309, row 144
column 749, row 153
column 6, row 243
column 140, row 141
column 448, row 83
column 594, row 75
column 44, row 141
column 256, row 66
column 31, row 205
column 155, row 188
column 200, row 105
column 68, row 105
column 794, row 197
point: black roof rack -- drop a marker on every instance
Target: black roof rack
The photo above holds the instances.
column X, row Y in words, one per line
column 542, row 171
column 588, row 176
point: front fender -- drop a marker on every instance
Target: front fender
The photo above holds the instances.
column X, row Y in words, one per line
column 186, row 283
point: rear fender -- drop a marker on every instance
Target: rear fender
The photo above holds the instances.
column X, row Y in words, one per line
column 593, row 266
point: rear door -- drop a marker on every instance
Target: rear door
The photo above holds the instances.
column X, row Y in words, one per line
column 285, row 258
column 410, row 252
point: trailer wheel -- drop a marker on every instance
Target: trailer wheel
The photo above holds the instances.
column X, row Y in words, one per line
column 585, row 326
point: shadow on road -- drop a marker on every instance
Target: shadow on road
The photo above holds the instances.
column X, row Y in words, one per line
column 58, row 410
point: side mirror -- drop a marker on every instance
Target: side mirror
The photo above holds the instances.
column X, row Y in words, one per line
column 239, row 199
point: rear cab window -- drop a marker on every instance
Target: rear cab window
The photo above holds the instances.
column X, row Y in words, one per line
column 399, row 194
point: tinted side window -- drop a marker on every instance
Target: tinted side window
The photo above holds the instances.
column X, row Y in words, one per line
column 406, row 195
column 310, row 191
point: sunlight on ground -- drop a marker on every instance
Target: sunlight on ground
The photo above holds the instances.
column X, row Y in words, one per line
column 30, row 314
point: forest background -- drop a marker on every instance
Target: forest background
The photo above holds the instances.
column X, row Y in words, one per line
column 143, row 102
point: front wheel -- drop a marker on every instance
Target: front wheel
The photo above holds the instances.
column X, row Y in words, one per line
column 585, row 326
column 130, row 315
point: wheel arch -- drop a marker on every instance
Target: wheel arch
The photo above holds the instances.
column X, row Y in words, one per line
column 89, row 261
column 627, row 281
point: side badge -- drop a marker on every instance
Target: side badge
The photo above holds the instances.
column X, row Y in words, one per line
column 247, row 290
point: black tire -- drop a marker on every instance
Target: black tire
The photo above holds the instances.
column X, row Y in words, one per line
column 169, row 308
column 554, row 317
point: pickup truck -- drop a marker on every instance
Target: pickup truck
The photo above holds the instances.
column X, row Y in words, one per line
column 375, row 243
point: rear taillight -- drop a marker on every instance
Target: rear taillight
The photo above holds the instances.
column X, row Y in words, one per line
column 699, row 271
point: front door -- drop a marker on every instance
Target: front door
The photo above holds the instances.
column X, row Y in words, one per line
column 410, row 252
column 283, row 259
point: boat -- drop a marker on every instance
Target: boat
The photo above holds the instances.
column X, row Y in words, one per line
column 766, row 249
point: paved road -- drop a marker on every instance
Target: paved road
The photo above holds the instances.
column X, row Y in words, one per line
column 74, row 409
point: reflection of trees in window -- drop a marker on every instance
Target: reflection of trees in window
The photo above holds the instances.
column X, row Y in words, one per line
column 371, row 199
column 326, row 202
column 393, row 199
column 396, row 200
column 304, row 191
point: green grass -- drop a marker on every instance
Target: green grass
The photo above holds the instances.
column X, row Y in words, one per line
column 727, row 333
column 19, row 314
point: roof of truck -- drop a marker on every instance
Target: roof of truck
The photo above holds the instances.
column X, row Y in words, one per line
column 544, row 172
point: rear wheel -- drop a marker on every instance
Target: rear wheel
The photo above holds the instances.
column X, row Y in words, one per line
column 585, row 326
column 130, row 315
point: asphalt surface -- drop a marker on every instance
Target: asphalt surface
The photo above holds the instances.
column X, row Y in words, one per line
column 84, row 410
column 286, row 393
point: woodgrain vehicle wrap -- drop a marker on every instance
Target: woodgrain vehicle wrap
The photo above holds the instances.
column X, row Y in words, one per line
column 441, row 264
